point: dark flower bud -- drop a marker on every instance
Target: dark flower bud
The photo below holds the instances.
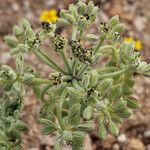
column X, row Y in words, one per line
column 84, row 55
column 55, row 78
column 46, row 26
column 59, row 43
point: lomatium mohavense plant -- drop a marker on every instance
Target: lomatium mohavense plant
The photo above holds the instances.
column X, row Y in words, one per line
column 75, row 97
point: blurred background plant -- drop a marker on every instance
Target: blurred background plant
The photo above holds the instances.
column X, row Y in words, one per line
column 135, row 132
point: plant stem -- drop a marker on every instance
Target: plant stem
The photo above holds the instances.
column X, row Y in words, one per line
column 74, row 34
column 112, row 74
column 43, row 92
column 48, row 61
column 74, row 37
column 81, row 34
column 106, row 47
column 8, row 148
column 113, row 51
column 82, row 71
column 53, row 63
column 41, row 57
column 73, row 66
column 98, row 45
column 66, row 62
column 59, row 109
column 37, row 81
column 106, row 70
column 76, row 85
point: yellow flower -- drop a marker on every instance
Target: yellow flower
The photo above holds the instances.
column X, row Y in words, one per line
column 130, row 39
column 49, row 16
column 138, row 44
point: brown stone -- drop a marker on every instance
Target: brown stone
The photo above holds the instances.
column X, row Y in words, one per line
column 135, row 144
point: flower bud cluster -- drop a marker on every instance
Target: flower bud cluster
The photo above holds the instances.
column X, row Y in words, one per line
column 59, row 43
column 55, row 78
column 83, row 54
column 81, row 15
column 111, row 30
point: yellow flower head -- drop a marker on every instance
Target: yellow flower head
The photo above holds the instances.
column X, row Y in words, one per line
column 130, row 39
column 49, row 16
column 138, row 44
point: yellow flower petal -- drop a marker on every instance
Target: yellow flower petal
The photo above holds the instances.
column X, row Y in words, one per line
column 130, row 39
column 53, row 12
column 49, row 15
column 138, row 45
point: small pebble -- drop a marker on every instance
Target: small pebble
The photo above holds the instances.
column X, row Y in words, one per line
column 148, row 147
column 146, row 137
column 15, row 7
column 122, row 138
column 140, row 23
column 147, row 134
column 115, row 147
column 136, row 144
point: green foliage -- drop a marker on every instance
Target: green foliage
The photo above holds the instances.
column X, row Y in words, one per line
column 77, row 95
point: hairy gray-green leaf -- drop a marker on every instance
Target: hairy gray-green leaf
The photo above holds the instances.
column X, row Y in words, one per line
column 105, row 86
column 78, row 139
column 113, row 21
column 113, row 128
column 87, row 126
column 37, row 91
column 58, row 144
column 102, row 130
column 132, row 103
column 74, row 114
column 88, row 112
column 67, row 136
column 121, row 104
column 11, row 41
